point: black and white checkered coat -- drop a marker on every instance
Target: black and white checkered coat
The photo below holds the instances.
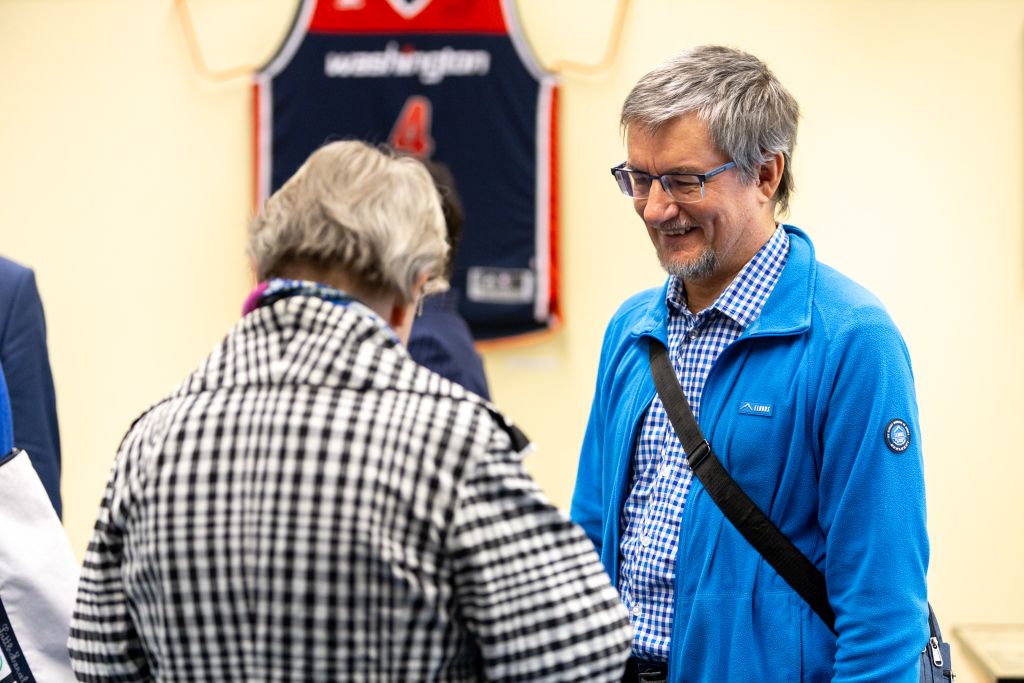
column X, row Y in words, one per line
column 311, row 505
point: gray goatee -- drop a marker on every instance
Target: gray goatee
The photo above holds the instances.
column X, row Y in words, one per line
column 700, row 268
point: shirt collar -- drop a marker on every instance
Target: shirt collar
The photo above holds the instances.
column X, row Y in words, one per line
column 743, row 299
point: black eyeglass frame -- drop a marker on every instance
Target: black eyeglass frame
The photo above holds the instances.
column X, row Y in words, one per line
column 701, row 179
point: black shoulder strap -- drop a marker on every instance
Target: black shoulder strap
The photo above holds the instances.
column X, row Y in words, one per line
column 791, row 564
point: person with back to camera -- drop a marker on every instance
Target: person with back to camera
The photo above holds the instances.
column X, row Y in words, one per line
column 800, row 382
column 312, row 505
column 441, row 338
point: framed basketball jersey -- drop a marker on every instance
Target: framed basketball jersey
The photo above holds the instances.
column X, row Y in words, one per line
column 448, row 80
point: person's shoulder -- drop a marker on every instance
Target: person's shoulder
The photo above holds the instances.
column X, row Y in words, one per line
column 641, row 301
column 507, row 437
column 641, row 310
column 835, row 286
column 636, row 307
column 837, row 299
column 441, row 340
column 836, row 291
column 844, row 306
column 12, row 271
column 465, row 417
column 18, row 294
column 148, row 433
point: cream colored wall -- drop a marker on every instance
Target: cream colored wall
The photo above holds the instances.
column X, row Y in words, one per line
column 125, row 179
column 125, row 182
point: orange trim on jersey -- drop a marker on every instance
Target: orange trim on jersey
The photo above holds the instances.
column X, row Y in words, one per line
column 519, row 340
column 421, row 16
column 257, row 161
column 553, row 293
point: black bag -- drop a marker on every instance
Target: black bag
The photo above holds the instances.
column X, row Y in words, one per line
column 936, row 666
column 755, row 526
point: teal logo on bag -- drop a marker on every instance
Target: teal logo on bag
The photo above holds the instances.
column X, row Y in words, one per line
column 754, row 408
column 897, row 436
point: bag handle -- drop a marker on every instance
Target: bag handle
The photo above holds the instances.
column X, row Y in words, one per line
column 776, row 548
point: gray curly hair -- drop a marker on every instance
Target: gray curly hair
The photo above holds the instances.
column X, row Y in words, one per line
column 373, row 214
column 749, row 114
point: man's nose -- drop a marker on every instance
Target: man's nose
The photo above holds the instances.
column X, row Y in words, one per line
column 660, row 207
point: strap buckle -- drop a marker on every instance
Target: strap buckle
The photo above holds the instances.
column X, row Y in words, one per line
column 699, row 454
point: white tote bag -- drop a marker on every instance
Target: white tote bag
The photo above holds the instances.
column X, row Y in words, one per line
column 38, row 579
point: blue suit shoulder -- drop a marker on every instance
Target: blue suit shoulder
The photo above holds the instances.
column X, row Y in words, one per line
column 12, row 269
column 13, row 277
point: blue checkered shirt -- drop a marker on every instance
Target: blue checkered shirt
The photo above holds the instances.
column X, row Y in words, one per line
column 653, row 511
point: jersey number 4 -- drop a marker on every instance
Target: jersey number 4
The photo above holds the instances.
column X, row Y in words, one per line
column 411, row 132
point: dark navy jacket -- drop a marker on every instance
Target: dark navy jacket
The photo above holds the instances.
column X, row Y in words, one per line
column 26, row 366
column 441, row 340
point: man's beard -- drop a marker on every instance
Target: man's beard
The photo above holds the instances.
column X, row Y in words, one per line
column 698, row 269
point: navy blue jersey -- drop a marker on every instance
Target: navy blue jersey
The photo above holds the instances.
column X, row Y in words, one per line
column 449, row 80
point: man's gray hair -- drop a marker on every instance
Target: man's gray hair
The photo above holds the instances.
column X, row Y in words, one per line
column 372, row 214
column 749, row 114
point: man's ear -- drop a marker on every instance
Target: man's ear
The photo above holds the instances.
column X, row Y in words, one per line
column 769, row 175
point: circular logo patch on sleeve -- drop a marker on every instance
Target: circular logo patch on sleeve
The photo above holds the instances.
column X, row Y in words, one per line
column 897, row 436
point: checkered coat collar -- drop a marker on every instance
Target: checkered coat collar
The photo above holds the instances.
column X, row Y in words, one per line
column 306, row 340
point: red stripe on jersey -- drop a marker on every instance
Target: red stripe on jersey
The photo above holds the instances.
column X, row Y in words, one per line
column 431, row 16
column 553, row 294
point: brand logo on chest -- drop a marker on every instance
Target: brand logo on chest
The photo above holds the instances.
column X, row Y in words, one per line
column 756, row 408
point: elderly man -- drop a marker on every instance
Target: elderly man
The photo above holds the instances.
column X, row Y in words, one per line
column 311, row 505
column 800, row 382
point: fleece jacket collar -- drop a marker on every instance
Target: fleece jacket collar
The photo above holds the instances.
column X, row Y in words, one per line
column 787, row 311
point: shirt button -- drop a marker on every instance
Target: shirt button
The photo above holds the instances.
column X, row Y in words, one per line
column 692, row 334
column 645, row 540
column 636, row 610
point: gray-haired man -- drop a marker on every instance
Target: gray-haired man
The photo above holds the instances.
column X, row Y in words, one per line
column 800, row 382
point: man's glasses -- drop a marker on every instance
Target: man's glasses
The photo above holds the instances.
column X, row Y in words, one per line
column 685, row 188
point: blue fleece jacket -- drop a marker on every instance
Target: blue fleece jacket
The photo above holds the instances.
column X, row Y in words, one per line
column 813, row 412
